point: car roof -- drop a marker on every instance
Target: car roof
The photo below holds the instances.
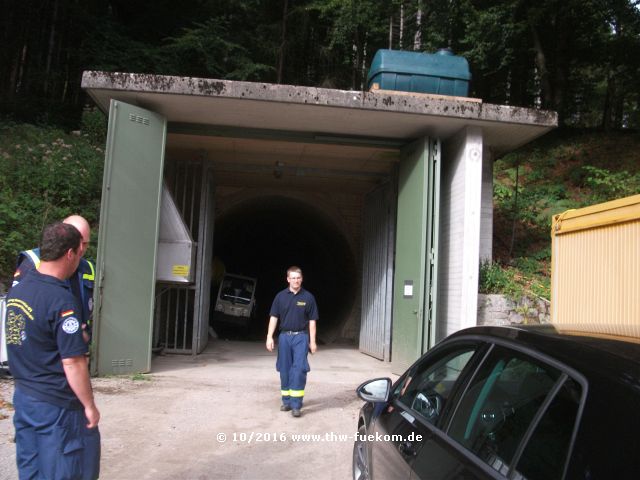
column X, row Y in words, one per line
column 589, row 352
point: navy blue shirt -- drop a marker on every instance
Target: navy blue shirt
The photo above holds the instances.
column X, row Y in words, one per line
column 294, row 310
column 42, row 328
column 81, row 282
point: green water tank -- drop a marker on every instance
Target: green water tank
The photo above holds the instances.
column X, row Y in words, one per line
column 441, row 73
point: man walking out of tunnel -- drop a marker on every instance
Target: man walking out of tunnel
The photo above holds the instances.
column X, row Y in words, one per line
column 297, row 313
column 56, row 418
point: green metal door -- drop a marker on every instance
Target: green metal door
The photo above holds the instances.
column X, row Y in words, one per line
column 416, row 246
column 128, row 239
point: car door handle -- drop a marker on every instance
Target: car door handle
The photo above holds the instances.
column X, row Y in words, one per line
column 406, row 449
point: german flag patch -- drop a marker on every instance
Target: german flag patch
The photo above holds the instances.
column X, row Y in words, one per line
column 66, row 313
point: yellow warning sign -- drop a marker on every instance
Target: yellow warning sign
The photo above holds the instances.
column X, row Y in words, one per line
column 180, row 270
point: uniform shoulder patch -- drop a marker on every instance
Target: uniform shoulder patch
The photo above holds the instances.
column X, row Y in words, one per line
column 70, row 325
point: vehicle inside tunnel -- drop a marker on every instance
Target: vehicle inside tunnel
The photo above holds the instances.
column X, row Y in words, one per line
column 262, row 237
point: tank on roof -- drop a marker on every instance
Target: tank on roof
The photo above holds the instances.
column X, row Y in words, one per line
column 441, row 73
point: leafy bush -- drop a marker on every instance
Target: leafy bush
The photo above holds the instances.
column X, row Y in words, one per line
column 94, row 126
column 527, row 278
column 498, row 280
column 47, row 175
column 606, row 185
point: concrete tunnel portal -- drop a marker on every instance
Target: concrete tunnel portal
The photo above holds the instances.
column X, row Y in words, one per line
column 261, row 237
column 273, row 140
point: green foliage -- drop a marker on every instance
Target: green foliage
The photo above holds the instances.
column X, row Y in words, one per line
column 527, row 278
column 93, row 126
column 497, row 280
column 564, row 170
column 207, row 49
column 46, row 176
column 606, row 185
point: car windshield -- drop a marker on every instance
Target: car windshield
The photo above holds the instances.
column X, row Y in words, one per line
column 237, row 290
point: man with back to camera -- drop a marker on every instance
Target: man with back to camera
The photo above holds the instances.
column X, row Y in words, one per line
column 297, row 312
column 55, row 419
column 81, row 282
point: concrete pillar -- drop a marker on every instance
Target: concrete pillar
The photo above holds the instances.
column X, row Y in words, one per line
column 460, row 202
column 486, row 215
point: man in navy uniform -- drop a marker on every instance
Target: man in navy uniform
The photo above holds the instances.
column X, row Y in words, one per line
column 82, row 280
column 56, row 418
column 297, row 312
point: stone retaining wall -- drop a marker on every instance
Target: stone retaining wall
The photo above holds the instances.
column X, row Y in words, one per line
column 500, row 310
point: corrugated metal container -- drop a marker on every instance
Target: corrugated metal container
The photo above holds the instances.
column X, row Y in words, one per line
column 441, row 73
column 595, row 271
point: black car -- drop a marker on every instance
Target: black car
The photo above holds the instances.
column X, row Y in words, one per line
column 506, row 402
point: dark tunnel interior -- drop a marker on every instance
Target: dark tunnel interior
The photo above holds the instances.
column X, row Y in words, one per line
column 262, row 237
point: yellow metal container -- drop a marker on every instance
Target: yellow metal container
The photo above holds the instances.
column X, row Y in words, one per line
column 595, row 268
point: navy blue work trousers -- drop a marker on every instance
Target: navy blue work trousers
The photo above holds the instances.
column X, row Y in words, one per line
column 54, row 443
column 293, row 366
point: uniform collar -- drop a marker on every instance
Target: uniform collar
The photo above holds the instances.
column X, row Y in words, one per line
column 48, row 278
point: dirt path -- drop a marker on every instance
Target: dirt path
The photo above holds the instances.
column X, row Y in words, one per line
column 217, row 417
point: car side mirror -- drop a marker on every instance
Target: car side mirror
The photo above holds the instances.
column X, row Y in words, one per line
column 376, row 390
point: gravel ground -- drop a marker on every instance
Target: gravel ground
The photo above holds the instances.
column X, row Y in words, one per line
column 216, row 416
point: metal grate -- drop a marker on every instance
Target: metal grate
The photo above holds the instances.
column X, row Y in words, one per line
column 174, row 319
column 175, row 304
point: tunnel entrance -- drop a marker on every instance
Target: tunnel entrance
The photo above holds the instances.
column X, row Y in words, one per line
column 263, row 236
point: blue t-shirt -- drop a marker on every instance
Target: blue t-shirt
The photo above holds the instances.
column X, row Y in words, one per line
column 294, row 310
column 42, row 327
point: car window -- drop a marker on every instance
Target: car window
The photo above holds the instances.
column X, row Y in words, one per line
column 499, row 405
column 427, row 389
column 546, row 451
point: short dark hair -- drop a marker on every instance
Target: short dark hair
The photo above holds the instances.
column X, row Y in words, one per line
column 292, row 269
column 57, row 239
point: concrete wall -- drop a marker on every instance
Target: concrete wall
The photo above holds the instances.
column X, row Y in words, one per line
column 460, row 209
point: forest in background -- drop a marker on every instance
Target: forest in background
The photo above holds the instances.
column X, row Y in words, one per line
column 577, row 57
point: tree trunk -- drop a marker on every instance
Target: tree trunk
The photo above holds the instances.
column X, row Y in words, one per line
column 417, row 39
column 363, row 65
column 515, row 213
column 21, row 68
column 52, row 38
column 543, row 72
column 607, row 109
column 401, row 24
column 285, row 13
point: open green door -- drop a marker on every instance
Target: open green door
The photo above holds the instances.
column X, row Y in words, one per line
column 416, row 247
column 128, row 239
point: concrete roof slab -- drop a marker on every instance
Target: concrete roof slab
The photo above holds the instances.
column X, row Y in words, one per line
column 322, row 112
